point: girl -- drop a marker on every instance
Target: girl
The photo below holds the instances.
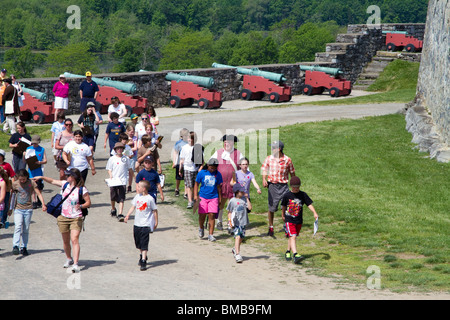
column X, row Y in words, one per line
column 63, row 138
column 154, row 120
column 70, row 222
column 18, row 162
column 244, row 177
column 210, row 196
column 133, row 143
column 23, row 210
column 4, row 181
column 88, row 121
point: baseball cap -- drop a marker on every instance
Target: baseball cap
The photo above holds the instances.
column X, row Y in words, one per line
column 88, row 74
column 62, row 76
column 149, row 158
column 133, row 116
column 213, row 162
column 36, row 139
column 90, row 103
column 2, row 153
column 277, row 144
column 4, row 70
column 237, row 187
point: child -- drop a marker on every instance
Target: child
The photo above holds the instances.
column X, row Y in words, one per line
column 147, row 150
column 113, row 131
column 36, row 150
column 145, row 221
column 210, row 196
column 184, row 134
column 118, row 167
column 292, row 214
column 149, row 174
column 133, row 144
column 57, row 127
column 244, row 177
column 23, row 210
column 188, row 169
column 238, row 218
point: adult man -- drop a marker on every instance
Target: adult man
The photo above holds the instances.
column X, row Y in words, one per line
column 88, row 91
column 10, row 94
column 275, row 171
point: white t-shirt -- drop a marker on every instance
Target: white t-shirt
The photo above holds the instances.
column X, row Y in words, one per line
column 68, row 206
column 119, row 167
column 120, row 109
column 186, row 154
column 145, row 205
column 79, row 153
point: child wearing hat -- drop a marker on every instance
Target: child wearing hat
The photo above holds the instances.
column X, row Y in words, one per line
column 35, row 169
column 237, row 209
column 292, row 214
column 119, row 168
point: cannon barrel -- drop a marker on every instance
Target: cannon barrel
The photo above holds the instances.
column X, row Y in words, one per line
column 396, row 32
column 206, row 82
column 107, row 82
column 331, row 71
column 37, row 94
column 277, row 77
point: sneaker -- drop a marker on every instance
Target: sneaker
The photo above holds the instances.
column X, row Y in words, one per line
column 121, row 217
column 233, row 250
column 75, row 268
column 113, row 213
column 185, row 196
column 270, row 233
column 177, row 193
column 68, row 263
column 190, row 205
column 288, row 256
column 219, row 226
column 143, row 265
column 298, row 258
column 211, row 238
column 35, row 205
column 201, row 233
column 15, row 251
column 238, row 258
column 24, row 251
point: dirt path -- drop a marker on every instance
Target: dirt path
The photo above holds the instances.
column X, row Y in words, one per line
column 181, row 266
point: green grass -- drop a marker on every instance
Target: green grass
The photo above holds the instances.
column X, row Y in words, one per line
column 380, row 203
column 42, row 130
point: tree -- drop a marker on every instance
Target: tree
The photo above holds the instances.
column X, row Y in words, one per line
column 21, row 62
column 73, row 58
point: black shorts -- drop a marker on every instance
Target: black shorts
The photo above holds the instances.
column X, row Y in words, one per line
column 141, row 237
column 177, row 173
column 117, row 194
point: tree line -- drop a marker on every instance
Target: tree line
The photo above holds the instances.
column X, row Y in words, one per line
column 181, row 34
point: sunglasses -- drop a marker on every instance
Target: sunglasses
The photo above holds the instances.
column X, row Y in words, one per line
column 68, row 124
column 144, row 118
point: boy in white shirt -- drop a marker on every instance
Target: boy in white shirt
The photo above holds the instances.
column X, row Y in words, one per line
column 119, row 168
column 145, row 220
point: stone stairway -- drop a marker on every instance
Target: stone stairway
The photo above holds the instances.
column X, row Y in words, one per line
column 373, row 69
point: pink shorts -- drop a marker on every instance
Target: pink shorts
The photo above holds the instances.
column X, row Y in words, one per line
column 292, row 229
column 208, row 205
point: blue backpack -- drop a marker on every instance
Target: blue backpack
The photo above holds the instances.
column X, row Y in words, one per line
column 54, row 205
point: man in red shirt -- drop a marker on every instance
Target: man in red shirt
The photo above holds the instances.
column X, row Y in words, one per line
column 275, row 171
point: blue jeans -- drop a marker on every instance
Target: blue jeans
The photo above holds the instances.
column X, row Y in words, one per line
column 22, row 220
column 2, row 114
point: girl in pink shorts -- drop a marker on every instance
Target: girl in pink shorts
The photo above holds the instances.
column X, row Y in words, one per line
column 210, row 182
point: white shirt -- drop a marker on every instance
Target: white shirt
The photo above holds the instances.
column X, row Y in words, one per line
column 79, row 154
column 145, row 205
column 119, row 167
column 186, row 155
column 120, row 109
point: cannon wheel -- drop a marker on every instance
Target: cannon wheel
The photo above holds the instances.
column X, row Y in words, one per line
column 38, row 117
column 203, row 103
column 174, row 101
column 245, row 94
column 334, row 92
column 410, row 48
column 391, row 47
column 307, row 89
column 274, row 97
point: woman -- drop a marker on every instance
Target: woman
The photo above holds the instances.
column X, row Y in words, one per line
column 76, row 154
column 70, row 222
column 88, row 122
column 18, row 87
column 229, row 159
column 61, row 92
column 154, row 120
column 118, row 108
column 18, row 162
column 63, row 138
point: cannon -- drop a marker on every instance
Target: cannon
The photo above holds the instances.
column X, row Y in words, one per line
column 36, row 107
column 256, row 83
column 399, row 40
column 317, row 79
column 126, row 92
column 186, row 89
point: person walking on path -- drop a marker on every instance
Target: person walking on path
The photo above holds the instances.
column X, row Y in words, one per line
column 62, row 138
column 71, row 220
column 77, row 154
column 11, row 113
column 275, row 174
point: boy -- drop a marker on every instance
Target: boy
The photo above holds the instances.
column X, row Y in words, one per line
column 184, row 133
column 292, row 214
column 36, row 150
column 149, row 174
column 145, row 221
column 113, row 131
column 210, row 196
column 129, row 153
column 238, row 207
column 57, row 127
column 118, row 167
column 148, row 150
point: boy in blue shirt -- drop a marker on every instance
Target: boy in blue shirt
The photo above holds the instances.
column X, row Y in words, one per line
column 210, row 196
column 113, row 131
column 149, row 174
column 36, row 150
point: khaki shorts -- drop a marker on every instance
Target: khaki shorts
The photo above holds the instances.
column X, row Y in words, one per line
column 67, row 224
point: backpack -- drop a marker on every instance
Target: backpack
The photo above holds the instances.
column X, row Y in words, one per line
column 54, row 205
